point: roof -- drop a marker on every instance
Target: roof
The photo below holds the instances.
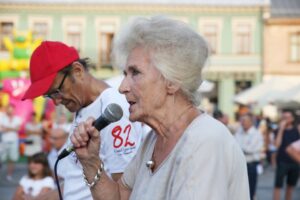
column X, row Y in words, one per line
column 285, row 8
column 159, row 2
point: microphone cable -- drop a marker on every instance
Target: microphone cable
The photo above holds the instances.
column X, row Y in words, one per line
column 57, row 180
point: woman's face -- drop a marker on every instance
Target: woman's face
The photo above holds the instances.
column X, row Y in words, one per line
column 35, row 168
column 143, row 86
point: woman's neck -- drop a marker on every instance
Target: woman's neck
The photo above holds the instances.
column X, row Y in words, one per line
column 169, row 126
column 37, row 177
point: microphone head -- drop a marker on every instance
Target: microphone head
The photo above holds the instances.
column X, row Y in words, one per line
column 113, row 112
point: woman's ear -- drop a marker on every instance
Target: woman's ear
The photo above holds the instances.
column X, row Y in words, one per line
column 172, row 88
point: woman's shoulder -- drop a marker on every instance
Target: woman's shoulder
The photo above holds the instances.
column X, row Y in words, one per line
column 205, row 126
column 24, row 180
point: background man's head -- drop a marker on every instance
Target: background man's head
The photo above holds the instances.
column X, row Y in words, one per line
column 246, row 121
column 288, row 116
column 58, row 138
column 10, row 109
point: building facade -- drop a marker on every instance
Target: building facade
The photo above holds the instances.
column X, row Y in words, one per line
column 234, row 30
column 282, row 39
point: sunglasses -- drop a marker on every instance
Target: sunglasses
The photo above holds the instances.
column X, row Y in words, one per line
column 57, row 93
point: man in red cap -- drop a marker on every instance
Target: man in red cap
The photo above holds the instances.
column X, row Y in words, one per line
column 57, row 72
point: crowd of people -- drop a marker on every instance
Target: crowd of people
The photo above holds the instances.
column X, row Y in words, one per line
column 43, row 139
column 269, row 143
column 187, row 154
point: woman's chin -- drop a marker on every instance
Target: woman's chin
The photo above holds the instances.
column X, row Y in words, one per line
column 132, row 118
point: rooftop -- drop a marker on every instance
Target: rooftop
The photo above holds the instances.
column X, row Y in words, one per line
column 237, row 3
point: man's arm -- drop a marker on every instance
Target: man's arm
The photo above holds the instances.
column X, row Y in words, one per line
column 255, row 145
column 279, row 136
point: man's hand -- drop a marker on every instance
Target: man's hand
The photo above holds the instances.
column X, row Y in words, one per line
column 282, row 124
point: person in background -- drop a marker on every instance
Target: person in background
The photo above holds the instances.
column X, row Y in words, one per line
column 271, row 147
column 47, row 125
column 2, row 115
column 62, row 122
column 287, row 168
column 58, row 137
column 57, row 73
column 38, row 181
column 33, row 130
column 219, row 115
column 10, row 125
column 251, row 143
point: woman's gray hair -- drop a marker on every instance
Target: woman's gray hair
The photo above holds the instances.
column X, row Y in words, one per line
column 176, row 50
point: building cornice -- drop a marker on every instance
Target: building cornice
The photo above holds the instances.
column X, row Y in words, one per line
column 130, row 8
column 283, row 21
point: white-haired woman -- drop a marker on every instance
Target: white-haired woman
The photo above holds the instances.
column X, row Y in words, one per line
column 188, row 154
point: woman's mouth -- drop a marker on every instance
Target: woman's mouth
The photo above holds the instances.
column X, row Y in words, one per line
column 131, row 104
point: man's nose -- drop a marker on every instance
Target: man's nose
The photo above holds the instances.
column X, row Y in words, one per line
column 57, row 101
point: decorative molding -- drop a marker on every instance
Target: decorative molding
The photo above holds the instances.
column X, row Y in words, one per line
column 116, row 8
column 283, row 21
column 82, row 21
column 239, row 76
column 107, row 24
column 10, row 18
column 218, row 21
column 40, row 18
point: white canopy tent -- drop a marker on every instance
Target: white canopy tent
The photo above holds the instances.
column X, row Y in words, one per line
column 281, row 90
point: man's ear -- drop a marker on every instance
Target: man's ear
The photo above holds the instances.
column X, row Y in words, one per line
column 77, row 70
column 172, row 88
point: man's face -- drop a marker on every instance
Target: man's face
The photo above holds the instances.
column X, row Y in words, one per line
column 246, row 122
column 10, row 110
column 288, row 117
column 67, row 88
column 58, row 138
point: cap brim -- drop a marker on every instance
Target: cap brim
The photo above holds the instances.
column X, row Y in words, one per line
column 39, row 87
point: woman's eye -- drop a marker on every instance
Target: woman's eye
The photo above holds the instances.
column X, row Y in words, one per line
column 135, row 72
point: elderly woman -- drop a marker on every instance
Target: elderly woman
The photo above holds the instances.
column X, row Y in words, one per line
column 188, row 154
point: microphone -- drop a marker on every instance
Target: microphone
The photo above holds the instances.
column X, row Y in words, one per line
column 112, row 113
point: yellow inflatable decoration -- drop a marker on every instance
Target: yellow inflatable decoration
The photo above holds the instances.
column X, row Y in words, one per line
column 20, row 49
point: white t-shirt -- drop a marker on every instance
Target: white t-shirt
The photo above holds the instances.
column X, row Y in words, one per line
column 251, row 142
column 206, row 163
column 52, row 157
column 119, row 144
column 34, row 187
column 15, row 122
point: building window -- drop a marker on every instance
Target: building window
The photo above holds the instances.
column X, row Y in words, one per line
column 106, row 29
column 295, row 47
column 210, row 33
column 6, row 30
column 40, row 30
column 74, row 35
column 106, row 40
column 243, row 39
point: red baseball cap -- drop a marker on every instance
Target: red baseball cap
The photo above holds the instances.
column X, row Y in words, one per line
column 45, row 62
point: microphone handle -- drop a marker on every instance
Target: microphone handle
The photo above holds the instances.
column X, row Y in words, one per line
column 99, row 124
